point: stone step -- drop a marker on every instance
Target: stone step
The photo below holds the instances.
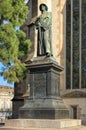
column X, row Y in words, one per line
column 15, row 128
column 43, row 123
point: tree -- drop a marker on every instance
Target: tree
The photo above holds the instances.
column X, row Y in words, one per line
column 13, row 43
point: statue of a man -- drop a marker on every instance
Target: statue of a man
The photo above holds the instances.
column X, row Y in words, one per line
column 43, row 25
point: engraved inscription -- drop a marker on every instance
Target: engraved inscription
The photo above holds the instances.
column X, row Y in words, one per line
column 40, row 84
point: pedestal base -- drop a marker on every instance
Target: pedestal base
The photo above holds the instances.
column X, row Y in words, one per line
column 44, row 101
column 44, row 109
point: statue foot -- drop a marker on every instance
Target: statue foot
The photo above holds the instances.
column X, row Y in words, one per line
column 48, row 54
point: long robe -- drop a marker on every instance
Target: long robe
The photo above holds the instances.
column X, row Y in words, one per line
column 44, row 34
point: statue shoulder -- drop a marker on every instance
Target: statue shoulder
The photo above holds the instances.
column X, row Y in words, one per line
column 50, row 13
column 46, row 14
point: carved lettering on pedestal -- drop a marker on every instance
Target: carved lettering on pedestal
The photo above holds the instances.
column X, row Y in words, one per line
column 40, row 84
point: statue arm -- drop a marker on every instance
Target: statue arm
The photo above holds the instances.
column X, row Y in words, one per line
column 44, row 22
column 38, row 23
column 47, row 21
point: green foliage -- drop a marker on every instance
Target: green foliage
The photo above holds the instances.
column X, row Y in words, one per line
column 25, row 44
column 14, row 46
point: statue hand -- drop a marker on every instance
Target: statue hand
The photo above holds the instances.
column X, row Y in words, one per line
column 38, row 24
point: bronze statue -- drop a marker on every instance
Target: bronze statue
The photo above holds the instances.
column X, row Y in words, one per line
column 43, row 25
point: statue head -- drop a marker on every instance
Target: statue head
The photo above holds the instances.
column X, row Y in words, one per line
column 43, row 5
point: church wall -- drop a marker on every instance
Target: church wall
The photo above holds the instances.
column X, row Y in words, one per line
column 81, row 107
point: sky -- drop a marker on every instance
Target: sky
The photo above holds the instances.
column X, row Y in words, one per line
column 4, row 82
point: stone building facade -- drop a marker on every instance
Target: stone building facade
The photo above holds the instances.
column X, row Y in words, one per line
column 6, row 95
column 68, row 43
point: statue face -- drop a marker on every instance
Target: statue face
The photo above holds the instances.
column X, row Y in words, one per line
column 43, row 8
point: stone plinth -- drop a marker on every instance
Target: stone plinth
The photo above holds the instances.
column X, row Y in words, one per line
column 38, row 123
column 44, row 101
column 43, row 124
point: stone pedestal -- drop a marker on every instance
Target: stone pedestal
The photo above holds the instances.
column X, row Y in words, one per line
column 44, row 101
